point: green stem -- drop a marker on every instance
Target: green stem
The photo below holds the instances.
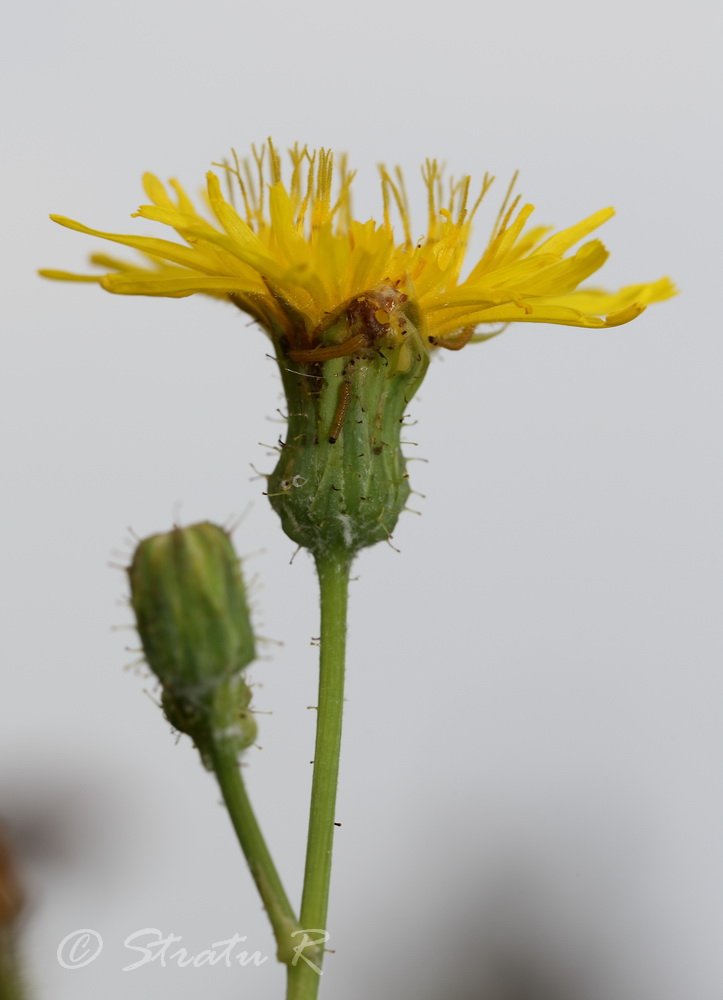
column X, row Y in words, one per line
column 305, row 971
column 224, row 759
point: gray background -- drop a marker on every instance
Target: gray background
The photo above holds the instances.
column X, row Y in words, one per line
column 531, row 773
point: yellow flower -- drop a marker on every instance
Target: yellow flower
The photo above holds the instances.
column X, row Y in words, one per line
column 290, row 254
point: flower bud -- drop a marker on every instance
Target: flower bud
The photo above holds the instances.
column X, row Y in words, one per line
column 341, row 479
column 190, row 604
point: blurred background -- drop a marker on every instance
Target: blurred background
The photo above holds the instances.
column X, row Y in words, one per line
column 533, row 753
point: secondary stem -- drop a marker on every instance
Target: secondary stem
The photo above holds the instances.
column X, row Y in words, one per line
column 305, row 973
column 263, row 870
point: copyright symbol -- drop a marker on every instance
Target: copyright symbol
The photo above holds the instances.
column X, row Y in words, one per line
column 79, row 948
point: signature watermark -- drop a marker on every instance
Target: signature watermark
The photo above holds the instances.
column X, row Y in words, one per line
column 79, row 948
column 83, row 946
column 307, row 943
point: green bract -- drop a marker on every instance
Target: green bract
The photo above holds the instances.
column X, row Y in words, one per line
column 341, row 479
column 190, row 604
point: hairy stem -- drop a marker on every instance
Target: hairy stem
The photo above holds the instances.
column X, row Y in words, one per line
column 305, row 970
column 283, row 921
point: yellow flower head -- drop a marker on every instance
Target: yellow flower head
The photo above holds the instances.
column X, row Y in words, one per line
column 289, row 253
column 354, row 310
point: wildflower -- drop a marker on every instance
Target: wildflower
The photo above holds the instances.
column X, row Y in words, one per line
column 355, row 310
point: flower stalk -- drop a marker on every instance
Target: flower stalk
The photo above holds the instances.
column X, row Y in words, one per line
column 224, row 761
column 333, row 571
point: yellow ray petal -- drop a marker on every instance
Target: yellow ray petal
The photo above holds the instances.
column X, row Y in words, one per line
column 184, row 202
column 158, row 248
column 567, row 274
column 545, row 312
column 156, row 191
column 601, row 302
column 234, row 225
column 567, row 238
column 135, row 284
column 46, row 272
